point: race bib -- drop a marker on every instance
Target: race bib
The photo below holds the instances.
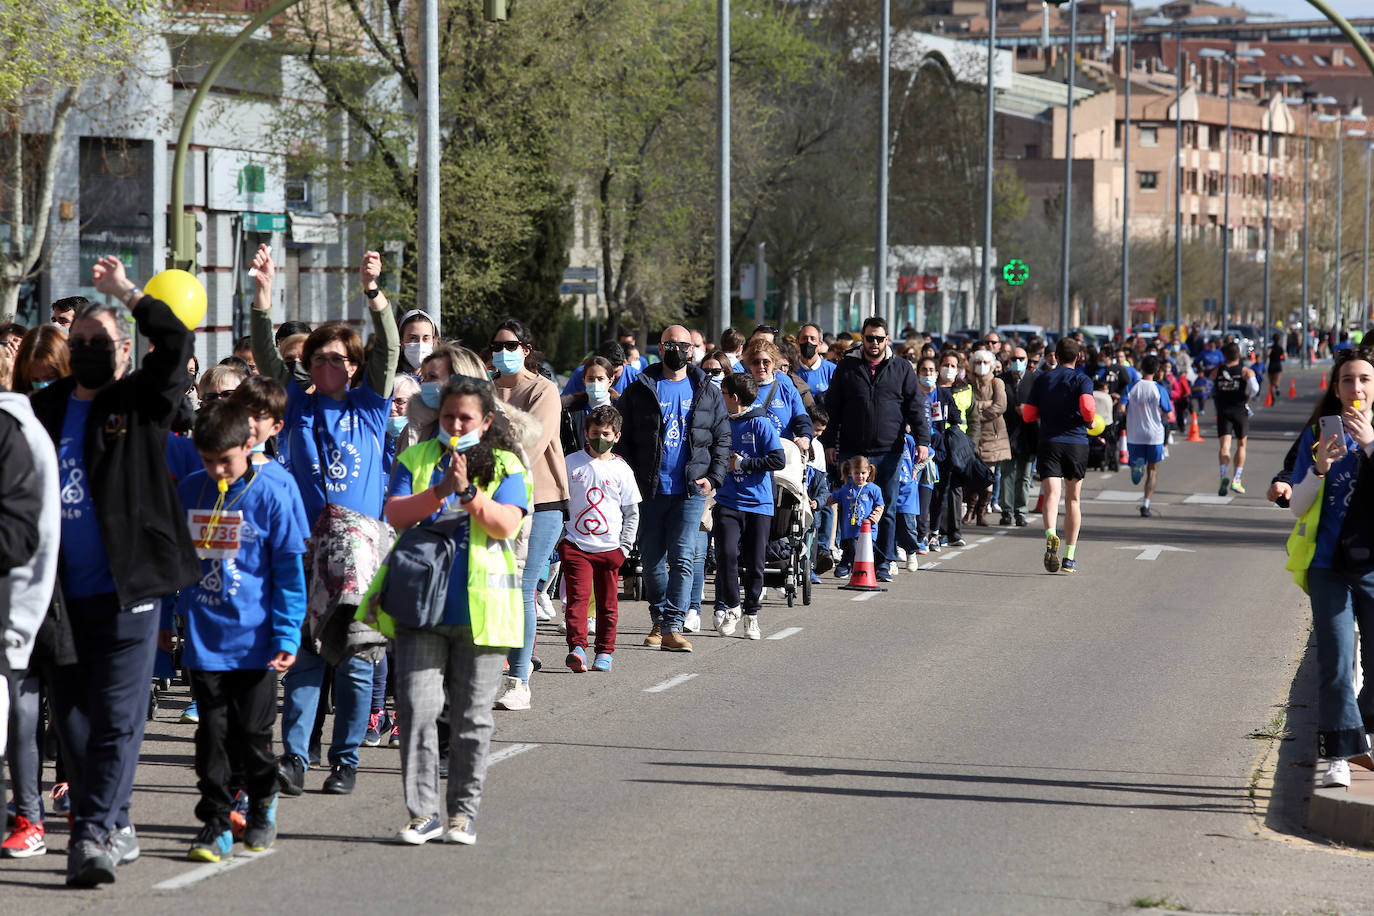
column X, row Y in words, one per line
column 219, row 542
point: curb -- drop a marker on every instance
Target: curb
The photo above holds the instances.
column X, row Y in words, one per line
column 1345, row 815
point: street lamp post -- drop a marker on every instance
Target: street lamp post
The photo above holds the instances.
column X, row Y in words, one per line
column 1068, row 175
column 1338, row 315
column 1178, row 166
column 1232, row 60
column 986, row 317
column 1364, row 285
column 1126, row 186
column 1306, row 101
column 880, row 261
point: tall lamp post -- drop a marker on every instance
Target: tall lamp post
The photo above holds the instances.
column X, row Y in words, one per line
column 1126, row 184
column 1165, row 22
column 880, row 261
column 1339, row 314
column 986, row 317
column 1364, row 285
column 1232, row 59
column 1306, row 101
column 1068, row 173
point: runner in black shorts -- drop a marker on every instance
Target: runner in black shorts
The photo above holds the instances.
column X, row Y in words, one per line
column 1275, row 367
column 1062, row 400
column 1234, row 386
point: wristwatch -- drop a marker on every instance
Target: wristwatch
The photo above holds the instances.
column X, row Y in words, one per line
column 133, row 295
column 372, row 293
column 467, row 495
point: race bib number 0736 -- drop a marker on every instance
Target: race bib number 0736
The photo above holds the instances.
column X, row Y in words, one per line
column 220, row 541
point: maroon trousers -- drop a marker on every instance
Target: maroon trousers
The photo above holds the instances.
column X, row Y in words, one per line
column 585, row 574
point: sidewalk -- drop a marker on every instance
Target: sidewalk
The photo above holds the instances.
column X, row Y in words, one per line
column 1345, row 815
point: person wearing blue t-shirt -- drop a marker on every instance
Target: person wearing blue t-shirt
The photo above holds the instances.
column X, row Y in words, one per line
column 1148, row 409
column 470, row 478
column 622, row 373
column 813, row 368
column 777, row 395
column 1340, row 575
column 243, row 624
column 908, row 507
column 859, row 501
column 1062, row 401
column 333, row 441
column 744, row 507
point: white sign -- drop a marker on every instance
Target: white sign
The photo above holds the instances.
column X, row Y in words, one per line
column 243, row 180
column 1152, row 551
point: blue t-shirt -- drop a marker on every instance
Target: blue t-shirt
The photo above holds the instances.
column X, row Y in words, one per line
column 182, row 458
column 817, row 379
column 675, row 401
column 85, row 564
column 750, row 491
column 248, row 607
column 908, row 494
column 577, row 384
column 1210, row 359
column 1056, row 394
column 511, row 491
column 281, row 478
column 352, row 432
column 1340, row 487
column 857, row 504
column 786, row 409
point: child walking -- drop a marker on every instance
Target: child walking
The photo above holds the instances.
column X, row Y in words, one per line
column 744, row 506
column 603, row 519
column 858, row 500
column 243, row 622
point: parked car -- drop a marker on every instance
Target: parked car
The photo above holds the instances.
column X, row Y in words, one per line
column 1022, row 332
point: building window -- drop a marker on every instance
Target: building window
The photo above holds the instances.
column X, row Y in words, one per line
column 1032, row 151
column 1149, row 136
column 1149, row 181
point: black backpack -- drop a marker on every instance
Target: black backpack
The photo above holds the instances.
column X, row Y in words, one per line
column 418, row 570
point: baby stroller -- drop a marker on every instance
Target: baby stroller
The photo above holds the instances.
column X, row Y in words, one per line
column 787, row 564
column 1104, row 451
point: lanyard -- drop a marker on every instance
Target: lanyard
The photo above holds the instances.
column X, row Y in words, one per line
column 223, row 486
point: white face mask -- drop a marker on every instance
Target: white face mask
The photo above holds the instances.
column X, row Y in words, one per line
column 598, row 392
column 928, row 381
column 417, row 352
column 982, row 368
column 949, row 373
column 698, row 354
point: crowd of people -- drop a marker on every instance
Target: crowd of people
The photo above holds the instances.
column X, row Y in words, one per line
column 381, row 524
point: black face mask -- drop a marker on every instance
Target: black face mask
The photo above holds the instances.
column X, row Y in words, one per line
column 674, row 358
column 299, row 373
column 808, row 349
column 93, row 367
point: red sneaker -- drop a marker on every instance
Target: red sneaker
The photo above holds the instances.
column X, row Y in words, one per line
column 25, row 840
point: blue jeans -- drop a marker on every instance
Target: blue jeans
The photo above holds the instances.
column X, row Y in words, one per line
column 699, row 571
column 886, row 474
column 823, row 539
column 352, row 703
column 668, row 526
column 1339, row 601
column 545, row 528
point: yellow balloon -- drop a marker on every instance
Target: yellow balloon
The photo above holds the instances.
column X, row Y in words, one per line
column 182, row 292
column 1099, row 424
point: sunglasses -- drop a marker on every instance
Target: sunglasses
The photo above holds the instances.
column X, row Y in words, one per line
column 510, row 346
column 713, row 373
column 874, row 338
column 216, row 396
column 677, row 345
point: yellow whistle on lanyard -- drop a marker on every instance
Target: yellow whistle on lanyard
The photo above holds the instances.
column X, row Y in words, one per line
column 222, row 484
column 453, row 443
column 1358, row 404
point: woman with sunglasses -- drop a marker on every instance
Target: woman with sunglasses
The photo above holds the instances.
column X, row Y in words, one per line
column 1334, row 467
column 519, row 384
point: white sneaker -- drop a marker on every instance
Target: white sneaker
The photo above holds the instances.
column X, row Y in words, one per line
column 901, row 555
column 591, row 625
column 763, row 594
column 562, row 625
column 420, row 830
column 726, row 621
column 751, row 626
column 693, row 622
column 718, row 618
column 512, row 694
column 913, row 563
column 543, row 606
column 1337, row 774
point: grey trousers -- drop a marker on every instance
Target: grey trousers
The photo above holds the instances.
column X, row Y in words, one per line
column 427, row 662
column 25, row 760
column 1016, row 485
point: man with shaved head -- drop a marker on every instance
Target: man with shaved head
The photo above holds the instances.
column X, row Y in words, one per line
column 677, row 439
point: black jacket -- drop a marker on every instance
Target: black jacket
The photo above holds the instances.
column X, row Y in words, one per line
column 641, row 440
column 870, row 411
column 141, row 519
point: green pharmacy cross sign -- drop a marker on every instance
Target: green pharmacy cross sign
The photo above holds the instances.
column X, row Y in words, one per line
column 1016, row 272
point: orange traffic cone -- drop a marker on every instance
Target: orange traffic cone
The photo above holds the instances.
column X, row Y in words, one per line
column 1040, row 503
column 1194, row 434
column 1269, row 398
column 863, row 578
column 1292, row 387
column 1323, row 384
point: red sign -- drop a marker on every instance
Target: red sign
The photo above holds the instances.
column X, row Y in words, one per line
column 915, row 283
column 1145, row 304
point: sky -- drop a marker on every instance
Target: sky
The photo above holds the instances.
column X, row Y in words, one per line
column 1301, row 9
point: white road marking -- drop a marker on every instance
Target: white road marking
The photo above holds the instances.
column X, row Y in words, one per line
column 783, row 634
column 1291, row 434
column 507, row 753
column 1207, row 499
column 1002, row 532
column 1152, row 551
column 209, row 870
column 670, row 683
column 985, row 540
column 1107, row 476
column 866, row 596
column 931, row 565
column 1118, row 496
